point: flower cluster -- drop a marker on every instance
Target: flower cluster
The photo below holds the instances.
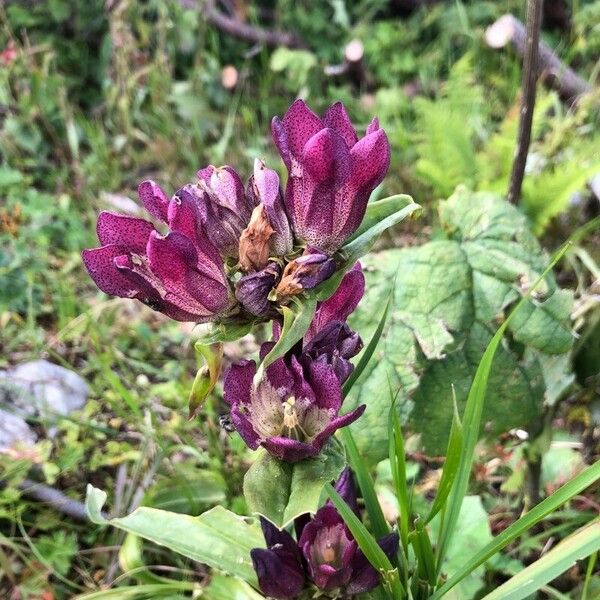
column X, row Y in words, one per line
column 325, row 555
column 224, row 252
column 295, row 407
column 220, row 251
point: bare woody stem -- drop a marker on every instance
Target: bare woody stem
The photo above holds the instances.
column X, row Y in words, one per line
column 241, row 30
column 530, row 75
column 554, row 73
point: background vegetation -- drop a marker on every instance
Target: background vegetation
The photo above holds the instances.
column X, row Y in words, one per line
column 96, row 96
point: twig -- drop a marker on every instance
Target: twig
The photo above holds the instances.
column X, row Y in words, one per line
column 530, row 75
column 54, row 498
column 353, row 66
column 556, row 75
column 242, row 30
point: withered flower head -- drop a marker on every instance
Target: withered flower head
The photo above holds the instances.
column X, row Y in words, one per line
column 305, row 273
column 255, row 241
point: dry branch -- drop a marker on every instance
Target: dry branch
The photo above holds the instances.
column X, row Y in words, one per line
column 556, row 75
column 531, row 46
column 241, row 30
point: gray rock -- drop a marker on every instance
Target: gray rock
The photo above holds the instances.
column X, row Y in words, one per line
column 14, row 430
column 42, row 389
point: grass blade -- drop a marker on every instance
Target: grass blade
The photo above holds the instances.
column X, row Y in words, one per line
column 367, row 543
column 472, row 420
column 398, row 467
column 369, row 349
column 535, row 515
column 365, row 483
column 577, row 546
column 451, row 464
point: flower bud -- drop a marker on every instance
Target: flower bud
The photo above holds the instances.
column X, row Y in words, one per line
column 305, row 273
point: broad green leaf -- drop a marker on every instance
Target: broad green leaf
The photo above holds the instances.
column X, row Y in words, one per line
column 281, row 491
column 577, row 546
column 217, row 538
column 189, row 492
column 449, row 296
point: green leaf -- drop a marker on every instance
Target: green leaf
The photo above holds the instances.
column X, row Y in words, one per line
column 398, row 468
column 281, row 491
column 535, row 515
column 471, row 535
column 225, row 332
column 217, row 538
column 368, row 544
column 577, row 546
column 451, row 464
column 206, row 377
column 367, row 353
column 472, row 421
column 380, row 210
column 365, row 483
column 295, row 325
column 397, row 208
column 449, row 296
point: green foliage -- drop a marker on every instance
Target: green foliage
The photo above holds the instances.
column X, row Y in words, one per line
column 217, row 538
column 449, row 296
column 282, row 491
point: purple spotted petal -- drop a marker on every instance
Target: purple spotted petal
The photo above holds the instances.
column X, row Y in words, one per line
column 337, row 118
column 264, row 185
column 174, row 260
column 100, row 264
column 238, row 382
column 336, row 424
column 325, row 385
column 341, row 304
column 127, row 231
column 244, row 427
column 253, row 290
column 330, row 174
column 295, row 129
column 154, row 199
column 289, row 450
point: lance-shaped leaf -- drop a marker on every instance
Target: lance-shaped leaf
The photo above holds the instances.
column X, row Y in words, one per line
column 296, row 322
column 281, row 491
column 206, row 377
column 217, row 538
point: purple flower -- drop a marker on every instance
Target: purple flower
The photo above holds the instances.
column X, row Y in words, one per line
column 329, row 556
column 179, row 274
column 264, row 187
column 225, row 209
column 292, row 412
column 331, row 172
column 305, row 272
column 279, row 566
column 253, row 290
